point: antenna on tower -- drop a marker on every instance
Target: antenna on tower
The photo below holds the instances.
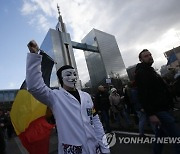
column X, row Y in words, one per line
column 58, row 10
column 60, row 25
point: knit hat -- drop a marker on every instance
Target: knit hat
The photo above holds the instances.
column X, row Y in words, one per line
column 113, row 89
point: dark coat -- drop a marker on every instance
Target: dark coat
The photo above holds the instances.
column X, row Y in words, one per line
column 135, row 99
column 2, row 141
column 176, row 87
column 102, row 101
column 153, row 93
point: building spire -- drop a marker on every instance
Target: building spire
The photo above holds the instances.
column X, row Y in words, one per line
column 60, row 25
column 58, row 10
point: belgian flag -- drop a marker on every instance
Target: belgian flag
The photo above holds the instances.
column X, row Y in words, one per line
column 28, row 115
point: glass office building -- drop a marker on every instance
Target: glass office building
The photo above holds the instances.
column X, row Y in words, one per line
column 108, row 62
column 7, row 97
column 105, row 63
column 58, row 46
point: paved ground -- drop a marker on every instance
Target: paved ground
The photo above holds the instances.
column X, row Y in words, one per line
column 14, row 145
column 131, row 148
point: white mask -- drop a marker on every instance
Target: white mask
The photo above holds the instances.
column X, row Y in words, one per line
column 69, row 77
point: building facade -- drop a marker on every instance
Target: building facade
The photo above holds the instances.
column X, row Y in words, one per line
column 7, row 97
column 131, row 72
column 102, row 54
column 58, row 46
column 173, row 57
column 108, row 63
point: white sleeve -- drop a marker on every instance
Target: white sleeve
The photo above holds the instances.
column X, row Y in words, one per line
column 100, row 134
column 34, row 80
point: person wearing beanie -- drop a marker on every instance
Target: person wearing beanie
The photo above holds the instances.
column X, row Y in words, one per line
column 79, row 128
column 102, row 106
column 156, row 100
column 117, row 106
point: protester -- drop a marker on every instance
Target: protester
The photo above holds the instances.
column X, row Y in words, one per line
column 176, row 84
column 9, row 125
column 79, row 129
column 2, row 142
column 155, row 100
column 117, row 105
column 138, row 108
column 102, row 106
column 2, row 133
column 127, row 99
column 3, row 121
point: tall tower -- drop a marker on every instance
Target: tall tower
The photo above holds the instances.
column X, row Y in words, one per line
column 60, row 25
column 57, row 44
column 102, row 54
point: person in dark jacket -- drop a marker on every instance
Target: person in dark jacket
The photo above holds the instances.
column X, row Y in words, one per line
column 102, row 106
column 138, row 108
column 9, row 126
column 176, row 84
column 156, row 100
column 118, row 109
column 2, row 132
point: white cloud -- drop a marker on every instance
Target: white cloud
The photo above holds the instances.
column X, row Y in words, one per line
column 11, row 85
column 81, row 66
column 32, row 21
column 28, row 8
column 136, row 24
column 42, row 23
column 47, row 7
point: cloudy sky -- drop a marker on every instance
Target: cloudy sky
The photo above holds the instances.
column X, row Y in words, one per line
column 136, row 24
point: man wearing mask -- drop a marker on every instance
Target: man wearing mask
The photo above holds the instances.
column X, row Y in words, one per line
column 79, row 128
column 156, row 100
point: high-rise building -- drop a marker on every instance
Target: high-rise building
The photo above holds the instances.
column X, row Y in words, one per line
column 131, row 72
column 7, row 97
column 108, row 62
column 102, row 54
column 57, row 44
column 173, row 57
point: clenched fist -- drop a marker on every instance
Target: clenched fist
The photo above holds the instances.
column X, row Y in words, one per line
column 33, row 46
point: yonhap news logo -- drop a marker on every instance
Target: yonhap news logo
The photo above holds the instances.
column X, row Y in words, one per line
column 109, row 139
column 149, row 140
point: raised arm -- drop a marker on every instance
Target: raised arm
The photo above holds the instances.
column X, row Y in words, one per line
column 100, row 134
column 33, row 47
column 34, row 80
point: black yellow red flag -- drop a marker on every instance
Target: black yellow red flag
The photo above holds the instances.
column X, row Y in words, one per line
column 28, row 114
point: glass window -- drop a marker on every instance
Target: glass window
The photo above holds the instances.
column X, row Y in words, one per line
column 1, row 97
column 11, row 95
column 6, row 97
column 54, row 80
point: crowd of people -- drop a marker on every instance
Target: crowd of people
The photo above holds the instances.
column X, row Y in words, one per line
column 6, row 128
column 78, row 126
column 112, row 107
column 149, row 97
column 82, row 122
